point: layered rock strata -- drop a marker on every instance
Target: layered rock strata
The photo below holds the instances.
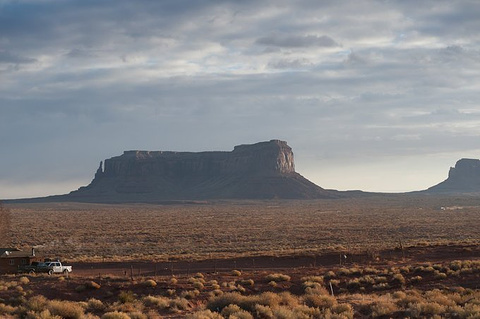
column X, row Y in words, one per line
column 263, row 170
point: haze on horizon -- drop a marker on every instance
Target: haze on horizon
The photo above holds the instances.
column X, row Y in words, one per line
column 371, row 95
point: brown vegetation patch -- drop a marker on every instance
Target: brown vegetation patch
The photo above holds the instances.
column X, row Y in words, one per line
column 299, row 291
column 94, row 232
column 382, row 257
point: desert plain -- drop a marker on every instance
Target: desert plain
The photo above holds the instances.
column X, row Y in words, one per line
column 390, row 256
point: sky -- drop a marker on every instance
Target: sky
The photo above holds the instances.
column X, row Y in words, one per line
column 372, row 95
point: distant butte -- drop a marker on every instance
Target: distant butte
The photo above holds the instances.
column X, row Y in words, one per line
column 264, row 170
column 463, row 178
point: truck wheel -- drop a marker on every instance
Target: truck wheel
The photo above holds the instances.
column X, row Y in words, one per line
column 32, row 272
column 50, row 272
column 65, row 272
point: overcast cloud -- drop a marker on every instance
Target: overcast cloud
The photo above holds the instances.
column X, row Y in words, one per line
column 371, row 95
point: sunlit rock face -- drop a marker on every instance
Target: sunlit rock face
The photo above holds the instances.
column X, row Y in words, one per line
column 263, row 170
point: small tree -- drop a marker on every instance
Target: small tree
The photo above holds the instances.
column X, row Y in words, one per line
column 4, row 226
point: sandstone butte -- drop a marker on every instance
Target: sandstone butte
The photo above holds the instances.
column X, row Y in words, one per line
column 264, row 170
column 462, row 179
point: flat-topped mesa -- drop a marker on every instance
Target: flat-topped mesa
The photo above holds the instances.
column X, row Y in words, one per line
column 273, row 157
column 261, row 170
column 463, row 178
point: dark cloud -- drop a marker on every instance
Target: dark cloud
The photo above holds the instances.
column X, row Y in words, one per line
column 81, row 53
column 452, row 21
column 355, row 60
column 292, row 41
column 8, row 57
column 290, row 64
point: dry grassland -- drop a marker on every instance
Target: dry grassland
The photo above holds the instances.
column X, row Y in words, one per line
column 95, row 232
column 426, row 290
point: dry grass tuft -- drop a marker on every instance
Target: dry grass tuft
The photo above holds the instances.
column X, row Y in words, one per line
column 92, row 285
column 6, row 309
column 126, row 296
column 173, row 281
column 95, row 305
column 383, row 308
column 277, row 277
column 150, row 283
column 319, row 301
column 115, row 315
column 236, row 273
column 23, row 280
column 65, row 309
column 204, row 314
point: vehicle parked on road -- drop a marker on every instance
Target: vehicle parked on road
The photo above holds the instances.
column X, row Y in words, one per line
column 55, row 267
column 49, row 267
column 32, row 268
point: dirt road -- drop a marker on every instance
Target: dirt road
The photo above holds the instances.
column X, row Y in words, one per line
column 410, row 254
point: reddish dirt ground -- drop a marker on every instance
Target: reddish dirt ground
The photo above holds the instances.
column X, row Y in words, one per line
column 115, row 278
column 409, row 255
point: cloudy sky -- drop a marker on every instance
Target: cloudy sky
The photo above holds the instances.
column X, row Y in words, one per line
column 371, row 95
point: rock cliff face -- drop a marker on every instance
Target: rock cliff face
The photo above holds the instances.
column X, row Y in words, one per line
column 258, row 171
column 463, row 178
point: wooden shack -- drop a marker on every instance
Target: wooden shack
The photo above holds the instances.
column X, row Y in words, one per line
column 12, row 258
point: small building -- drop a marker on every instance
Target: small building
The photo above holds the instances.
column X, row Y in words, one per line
column 12, row 258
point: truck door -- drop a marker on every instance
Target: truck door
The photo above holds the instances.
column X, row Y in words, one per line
column 57, row 267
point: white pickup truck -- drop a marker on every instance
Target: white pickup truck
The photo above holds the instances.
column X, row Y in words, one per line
column 54, row 267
